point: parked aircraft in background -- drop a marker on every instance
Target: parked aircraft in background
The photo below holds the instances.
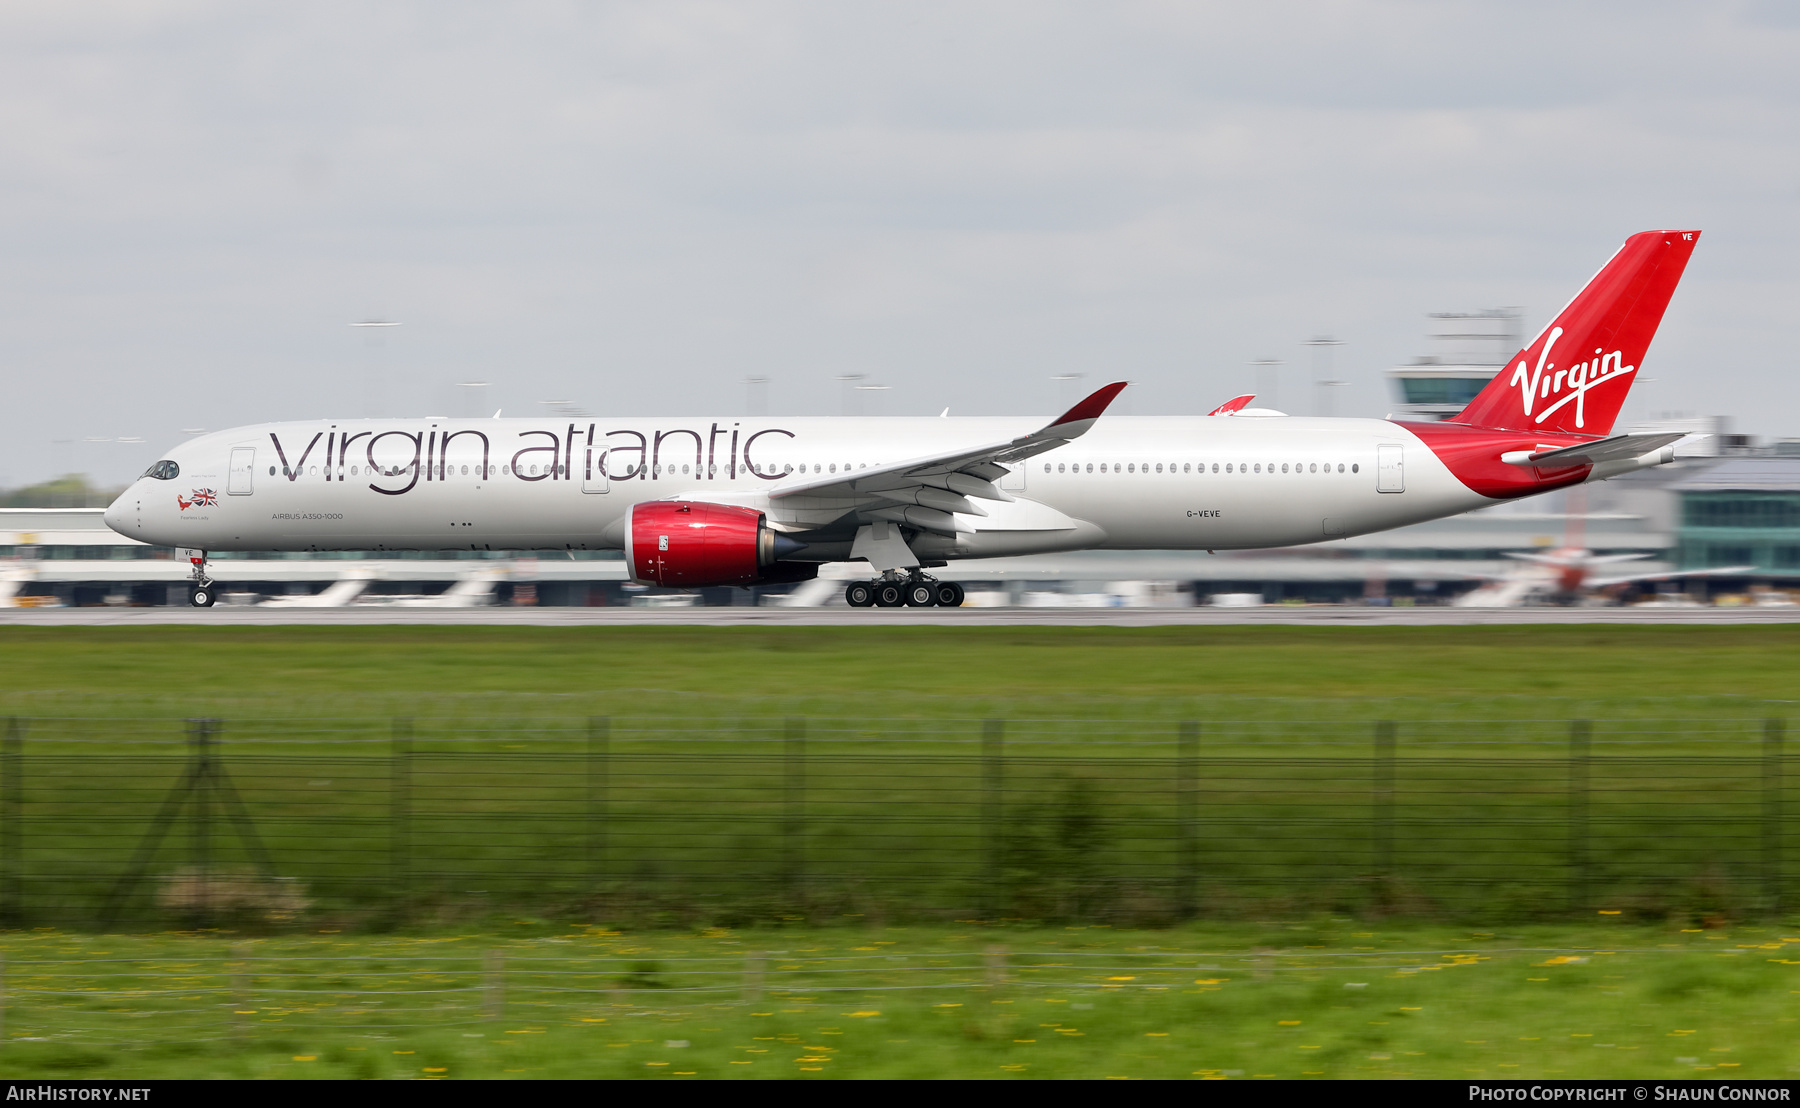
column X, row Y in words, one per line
column 695, row 502
column 1568, row 575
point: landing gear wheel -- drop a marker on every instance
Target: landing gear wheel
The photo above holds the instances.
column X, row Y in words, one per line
column 921, row 594
column 859, row 594
column 949, row 594
column 204, row 596
column 888, row 595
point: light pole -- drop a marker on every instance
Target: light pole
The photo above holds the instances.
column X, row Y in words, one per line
column 850, row 402
column 878, row 389
column 1268, row 381
column 1322, row 382
column 473, row 399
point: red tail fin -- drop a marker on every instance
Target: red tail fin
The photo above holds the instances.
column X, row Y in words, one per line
column 1575, row 375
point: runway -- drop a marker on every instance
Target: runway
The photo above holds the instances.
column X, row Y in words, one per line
column 1274, row 615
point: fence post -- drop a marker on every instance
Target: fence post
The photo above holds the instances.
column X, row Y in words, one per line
column 599, row 749
column 200, row 738
column 793, row 808
column 1187, row 788
column 1774, row 732
column 754, row 962
column 240, row 986
column 494, row 985
column 993, row 782
column 1579, row 731
column 1384, row 799
column 996, row 966
column 400, row 812
column 12, row 827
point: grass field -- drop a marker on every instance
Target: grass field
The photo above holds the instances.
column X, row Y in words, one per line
column 903, row 672
column 703, row 808
column 1325, row 998
column 1671, row 816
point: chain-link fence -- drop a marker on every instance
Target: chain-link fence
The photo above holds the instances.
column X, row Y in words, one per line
column 273, row 823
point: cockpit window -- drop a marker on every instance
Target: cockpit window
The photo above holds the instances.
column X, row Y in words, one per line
column 164, row 470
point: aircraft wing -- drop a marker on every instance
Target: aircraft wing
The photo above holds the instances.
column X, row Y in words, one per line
column 1602, row 582
column 930, row 491
column 1233, row 406
column 1559, row 561
column 1618, row 448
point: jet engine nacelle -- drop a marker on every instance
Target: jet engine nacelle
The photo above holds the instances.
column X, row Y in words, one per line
column 690, row 544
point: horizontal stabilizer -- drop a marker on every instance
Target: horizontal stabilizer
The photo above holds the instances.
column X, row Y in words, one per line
column 1618, row 448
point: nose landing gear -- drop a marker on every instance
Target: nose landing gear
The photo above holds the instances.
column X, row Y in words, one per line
column 918, row 590
column 204, row 594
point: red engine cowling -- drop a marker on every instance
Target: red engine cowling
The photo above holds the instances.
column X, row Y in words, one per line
column 690, row 544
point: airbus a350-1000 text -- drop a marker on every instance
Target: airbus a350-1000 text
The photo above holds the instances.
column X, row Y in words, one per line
column 696, row 502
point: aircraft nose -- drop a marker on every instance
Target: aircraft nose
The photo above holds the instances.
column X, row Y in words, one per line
column 116, row 513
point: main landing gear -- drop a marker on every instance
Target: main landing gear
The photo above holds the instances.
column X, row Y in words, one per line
column 917, row 590
column 205, row 595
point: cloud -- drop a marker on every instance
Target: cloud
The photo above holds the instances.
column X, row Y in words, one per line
column 637, row 206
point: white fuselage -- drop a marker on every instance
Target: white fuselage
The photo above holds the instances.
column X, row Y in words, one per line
column 1173, row 482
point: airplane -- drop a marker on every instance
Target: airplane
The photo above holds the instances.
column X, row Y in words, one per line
column 695, row 502
column 1566, row 575
column 1571, row 572
column 350, row 589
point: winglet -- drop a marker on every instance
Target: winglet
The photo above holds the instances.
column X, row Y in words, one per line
column 1090, row 408
column 1234, row 405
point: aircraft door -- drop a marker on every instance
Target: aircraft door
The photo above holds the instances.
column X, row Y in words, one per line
column 1390, row 468
column 593, row 466
column 239, row 479
column 1014, row 481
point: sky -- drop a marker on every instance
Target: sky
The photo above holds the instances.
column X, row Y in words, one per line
column 634, row 208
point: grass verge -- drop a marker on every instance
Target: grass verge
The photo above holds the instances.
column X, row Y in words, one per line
column 1328, row 999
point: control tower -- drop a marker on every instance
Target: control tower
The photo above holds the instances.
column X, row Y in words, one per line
column 1466, row 350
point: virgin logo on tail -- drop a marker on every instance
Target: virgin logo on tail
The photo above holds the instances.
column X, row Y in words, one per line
column 1615, row 315
column 1546, row 380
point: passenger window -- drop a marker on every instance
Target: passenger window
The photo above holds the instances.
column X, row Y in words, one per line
column 1259, row 467
column 1216, row 468
column 1227, row 467
column 1354, row 468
